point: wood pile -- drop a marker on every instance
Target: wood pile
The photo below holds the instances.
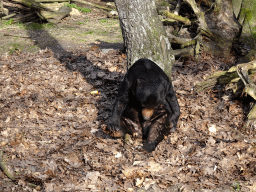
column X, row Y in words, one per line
column 239, row 80
column 50, row 10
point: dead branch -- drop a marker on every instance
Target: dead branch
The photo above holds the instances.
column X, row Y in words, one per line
column 176, row 17
column 4, row 168
column 188, row 43
column 178, row 40
column 183, row 52
column 54, row 17
column 94, row 5
column 2, row 9
column 168, row 21
column 250, row 87
column 50, row 1
column 21, row 36
column 177, row 8
column 199, row 14
column 21, row 18
column 226, row 77
column 8, row 16
column 33, row 4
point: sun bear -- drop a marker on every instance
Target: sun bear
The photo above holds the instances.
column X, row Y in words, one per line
column 145, row 106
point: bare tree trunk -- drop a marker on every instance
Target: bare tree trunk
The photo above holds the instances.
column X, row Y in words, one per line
column 143, row 33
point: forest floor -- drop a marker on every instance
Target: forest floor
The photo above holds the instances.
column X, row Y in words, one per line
column 54, row 103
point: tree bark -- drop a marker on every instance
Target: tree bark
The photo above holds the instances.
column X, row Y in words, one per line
column 143, row 33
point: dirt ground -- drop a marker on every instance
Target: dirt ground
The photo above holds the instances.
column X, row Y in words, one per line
column 54, row 103
column 78, row 32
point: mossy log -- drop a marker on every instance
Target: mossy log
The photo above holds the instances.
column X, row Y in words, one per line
column 251, row 120
column 250, row 87
column 199, row 13
column 240, row 79
column 51, row 1
column 8, row 16
column 54, row 17
column 2, row 7
column 46, row 11
column 94, row 5
column 226, row 77
column 32, row 4
column 178, row 40
column 19, row 18
column 176, row 17
column 252, row 114
column 184, row 52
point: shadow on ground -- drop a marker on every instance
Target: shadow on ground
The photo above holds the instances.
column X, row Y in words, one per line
column 93, row 69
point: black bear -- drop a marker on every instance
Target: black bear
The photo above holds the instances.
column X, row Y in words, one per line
column 146, row 105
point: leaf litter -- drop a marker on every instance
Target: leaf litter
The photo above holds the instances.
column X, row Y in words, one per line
column 54, row 109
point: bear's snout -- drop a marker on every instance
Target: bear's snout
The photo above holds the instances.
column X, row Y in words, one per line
column 147, row 114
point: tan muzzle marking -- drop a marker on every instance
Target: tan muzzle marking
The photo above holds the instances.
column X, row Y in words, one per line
column 147, row 113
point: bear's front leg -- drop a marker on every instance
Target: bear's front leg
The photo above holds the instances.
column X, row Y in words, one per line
column 173, row 106
column 156, row 131
column 114, row 122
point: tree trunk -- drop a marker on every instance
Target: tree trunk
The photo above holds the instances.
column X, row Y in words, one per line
column 223, row 27
column 143, row 33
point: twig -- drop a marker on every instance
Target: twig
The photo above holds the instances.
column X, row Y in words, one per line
column 8, row 16
column 4, row 169
column 7, row 34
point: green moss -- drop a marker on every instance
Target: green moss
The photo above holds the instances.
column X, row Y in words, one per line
column 15, row 47
column 163, row 3
column 247, row 13
column 88, row 32
column 7, row 22
column 32, row 49
column 82, row 40
column 236, row 186
column 80, row 23
column 103, row 21
column 81, row 9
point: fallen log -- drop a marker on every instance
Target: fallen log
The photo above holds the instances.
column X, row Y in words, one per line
column 184, row 52
column 51, row 1
column 94, row 5
column 32, row 4
column 55, row 17
column 176, row 17
column 19, row 18
column 225, row 77
column 240, row 80
column 8, row 16
column 45, row 11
